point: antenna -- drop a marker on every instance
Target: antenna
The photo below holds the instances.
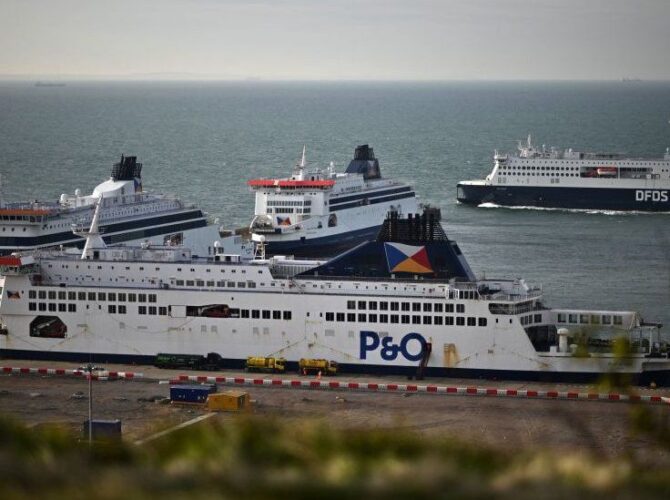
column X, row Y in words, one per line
column 303, row 160
column 2, row 199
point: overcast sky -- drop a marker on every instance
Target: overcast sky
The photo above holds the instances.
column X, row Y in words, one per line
column 336, row 39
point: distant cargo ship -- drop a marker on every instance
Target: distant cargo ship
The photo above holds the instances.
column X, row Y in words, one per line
column 570, row 179
column 50, row 84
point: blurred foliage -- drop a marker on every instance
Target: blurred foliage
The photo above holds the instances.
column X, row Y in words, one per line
column 263, row 458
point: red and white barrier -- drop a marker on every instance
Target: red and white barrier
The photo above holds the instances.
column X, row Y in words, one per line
column 428, row 389
column 96, row 375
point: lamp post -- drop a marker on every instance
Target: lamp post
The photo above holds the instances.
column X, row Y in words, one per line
column 89, row 370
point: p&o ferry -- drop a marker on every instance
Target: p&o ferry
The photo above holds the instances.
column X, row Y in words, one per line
column 573, row 180
column 405, row 301
column 319, row 212
column 128, row 215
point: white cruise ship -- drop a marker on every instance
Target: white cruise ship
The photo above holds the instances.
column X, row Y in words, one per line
column 403, row 302
column 570, row 179
column 128, row 216
column 321, row 212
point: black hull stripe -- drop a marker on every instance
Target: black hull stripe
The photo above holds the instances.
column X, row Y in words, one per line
column 660, row 378
column 654, row 200
column 344, row 206
column 67, row 236
column 373, row 194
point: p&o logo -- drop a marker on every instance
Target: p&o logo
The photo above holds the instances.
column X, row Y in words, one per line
column 411, row 346
column 651, row 195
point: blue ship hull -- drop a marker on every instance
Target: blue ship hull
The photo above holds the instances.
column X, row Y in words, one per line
column 648, row 200
column 326, row 246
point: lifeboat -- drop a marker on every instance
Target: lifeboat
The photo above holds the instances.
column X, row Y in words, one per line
column 607, row 171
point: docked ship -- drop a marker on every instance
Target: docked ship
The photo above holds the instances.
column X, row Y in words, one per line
column 405, row 301
column 128, row 216
column 569, row 179
column 317, row 212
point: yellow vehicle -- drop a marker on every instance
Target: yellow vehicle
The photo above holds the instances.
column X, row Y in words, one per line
column 315, row 366
column 269, row 364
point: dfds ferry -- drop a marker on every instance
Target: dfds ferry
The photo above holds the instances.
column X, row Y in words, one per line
column 321, row 212
column 405, row 301
column 569, row 179
column 128, row 215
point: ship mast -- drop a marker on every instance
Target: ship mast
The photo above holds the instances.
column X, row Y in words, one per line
column 92, row 235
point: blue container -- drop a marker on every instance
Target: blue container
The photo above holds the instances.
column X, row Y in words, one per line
column 191, row 393
column 103, row 430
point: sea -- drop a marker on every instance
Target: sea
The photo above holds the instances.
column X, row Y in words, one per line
column 202, row 141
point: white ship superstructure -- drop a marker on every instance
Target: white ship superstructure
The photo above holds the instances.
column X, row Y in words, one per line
column 128, row 215
column 570, row 179
column 405, row 300
column 321, row 212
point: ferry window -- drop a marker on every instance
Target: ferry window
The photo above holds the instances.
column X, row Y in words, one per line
column 142, row 297
column 538, row 318
column 449, row 320
column 266, row 314
column 52, row 307
column 190, row 283
column 32, row 306
column 618, row 320
column 595, row 319
column 162, row 311
column 42, row 306
column 372, row 306
column 405, row 306
column 607, row 319
column 561, row 317
column 141, row 309
column 102, row 296
column 361, row 305
column 383, row 318
column 404, row 319
column 340, row 316
column 210, row 283
column 572, row 318
column 61, row 295
column 351, row 304
column 61, row 307
column 472, row 321
column 241, row 284
column 32, row 294
column 351, row 317
column 111, row 309
column 255, row 313
column 199, row 283
column 372, row 318
column 179, row 282
column 460, row 320
column 152, row 310
column 251, row 284
column 438, row 320
column 584, row 319
column 111, row 297
column 152, row 297
column 427, row 307
column 383, row 306
column 395, row 318
column 71, row 295
column 460, row 308
column 395, row 306
column 276, row 314
column 362, row 318
column 416, row 306
column 91, row 295
column 132, row 297
column 416, row 320
column 437, row 308
column 330, row 316
column 427, row 320
column 52, row 295
column 449, row 308
column 219, row 284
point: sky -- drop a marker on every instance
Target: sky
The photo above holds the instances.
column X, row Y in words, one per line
column 336, row 39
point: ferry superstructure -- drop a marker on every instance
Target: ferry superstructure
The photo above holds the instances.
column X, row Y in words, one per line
column 128, row 215
column 404, row 300
column 319, row 212
column 570, row 179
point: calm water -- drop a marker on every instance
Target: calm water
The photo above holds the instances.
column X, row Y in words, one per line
column 202, row 141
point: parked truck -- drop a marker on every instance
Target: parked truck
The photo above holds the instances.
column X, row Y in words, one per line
column 212, row 361
column 316, row 366
column 265, row 364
